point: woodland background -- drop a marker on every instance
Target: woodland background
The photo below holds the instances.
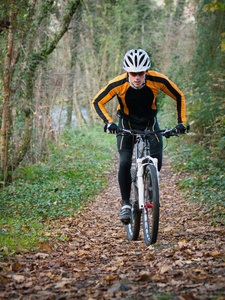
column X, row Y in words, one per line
column 55, row 55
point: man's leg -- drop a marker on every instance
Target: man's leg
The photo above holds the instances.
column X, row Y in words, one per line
column 124, row 176
column 125, row 148
column 156, row 148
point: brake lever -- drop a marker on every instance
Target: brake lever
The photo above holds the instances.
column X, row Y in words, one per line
column 175, row 134
column 168, row 134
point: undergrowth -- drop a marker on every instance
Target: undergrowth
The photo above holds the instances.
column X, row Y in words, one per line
column 204, row 180
column 74, row 173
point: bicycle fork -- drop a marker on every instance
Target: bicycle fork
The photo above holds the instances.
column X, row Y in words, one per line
column 140, row 179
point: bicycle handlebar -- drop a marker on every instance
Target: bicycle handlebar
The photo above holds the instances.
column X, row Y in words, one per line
column 165, row 132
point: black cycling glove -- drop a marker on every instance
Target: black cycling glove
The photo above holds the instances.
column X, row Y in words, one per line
column 111, row 127
column 180, row 128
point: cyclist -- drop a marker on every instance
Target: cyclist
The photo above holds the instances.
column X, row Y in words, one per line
column 136, row 91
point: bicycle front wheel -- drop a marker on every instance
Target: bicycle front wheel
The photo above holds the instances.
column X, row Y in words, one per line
column 150, row 213
column 133, row 228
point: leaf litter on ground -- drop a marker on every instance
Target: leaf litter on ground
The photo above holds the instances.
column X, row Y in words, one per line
column 93, row 259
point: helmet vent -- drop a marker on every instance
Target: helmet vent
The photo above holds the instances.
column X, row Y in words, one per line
column 130, row 59
column 126, row 64
column 135, row 60
column 141, row 59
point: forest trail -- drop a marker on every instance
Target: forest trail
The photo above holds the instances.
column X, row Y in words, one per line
column 94, row 259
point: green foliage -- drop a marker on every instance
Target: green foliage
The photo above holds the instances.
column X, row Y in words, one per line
column 206, row 107
column 204, row 180
column 163, row 296
column 74, row 173
column 214, row 5
column 201, row 155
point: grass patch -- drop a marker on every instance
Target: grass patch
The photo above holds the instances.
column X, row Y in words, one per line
column 73, row 174
column 163, row 297
column 205, row 179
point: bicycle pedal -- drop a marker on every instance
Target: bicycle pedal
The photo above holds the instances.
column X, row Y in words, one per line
column 125, row 222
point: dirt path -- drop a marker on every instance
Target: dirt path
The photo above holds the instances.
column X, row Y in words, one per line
column 94, row 259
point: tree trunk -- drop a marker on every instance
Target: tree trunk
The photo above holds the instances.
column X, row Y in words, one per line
column 91, row 112
column 38, row 119
column 69, row 109
column 69, row 100
column 77, row 110
column 61, row 109
column 6, row 107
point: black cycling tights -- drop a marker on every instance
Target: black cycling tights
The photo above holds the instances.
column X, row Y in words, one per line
column 124, row 176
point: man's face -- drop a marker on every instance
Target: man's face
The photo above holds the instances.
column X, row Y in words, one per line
column 137, row 79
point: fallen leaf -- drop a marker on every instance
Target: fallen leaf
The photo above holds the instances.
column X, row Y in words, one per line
column 118, row 286
column 44, row 246
column 42, row 255
column 111, row 277
column 189, row 296
column 63, row 283
column 168, row 229
column 18, row 278
column 164, row 269
column 144, row 276
column 182, row 245
column 197, row 274
column 215, row 253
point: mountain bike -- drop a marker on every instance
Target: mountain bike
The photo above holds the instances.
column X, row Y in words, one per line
column 144, row 197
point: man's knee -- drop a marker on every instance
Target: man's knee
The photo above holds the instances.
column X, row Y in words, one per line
column 125, row 159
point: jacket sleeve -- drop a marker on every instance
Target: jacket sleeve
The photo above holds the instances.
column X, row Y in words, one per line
column 172, row 90
column 104, row 95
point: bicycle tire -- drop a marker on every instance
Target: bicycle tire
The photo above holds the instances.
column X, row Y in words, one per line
column 150, row 213
column 133, row 229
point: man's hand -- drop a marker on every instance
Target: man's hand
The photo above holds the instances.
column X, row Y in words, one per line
column 111, row 127
column 180, row 128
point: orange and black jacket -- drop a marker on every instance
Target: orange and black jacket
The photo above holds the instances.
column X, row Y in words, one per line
column 138, row 105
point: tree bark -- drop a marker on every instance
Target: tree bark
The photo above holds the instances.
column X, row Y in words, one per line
column 6, row 107
column 77, row 110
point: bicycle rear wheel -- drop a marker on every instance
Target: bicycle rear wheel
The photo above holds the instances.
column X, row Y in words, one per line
column 150, row 213
column 133, row 228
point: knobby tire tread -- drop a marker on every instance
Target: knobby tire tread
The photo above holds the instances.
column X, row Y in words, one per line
column 133, row 229
column 150, row 227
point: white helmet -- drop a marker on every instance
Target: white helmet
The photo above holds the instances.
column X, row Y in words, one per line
column 136, row 61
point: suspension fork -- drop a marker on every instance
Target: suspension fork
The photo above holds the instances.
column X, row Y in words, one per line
column 140, row 180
